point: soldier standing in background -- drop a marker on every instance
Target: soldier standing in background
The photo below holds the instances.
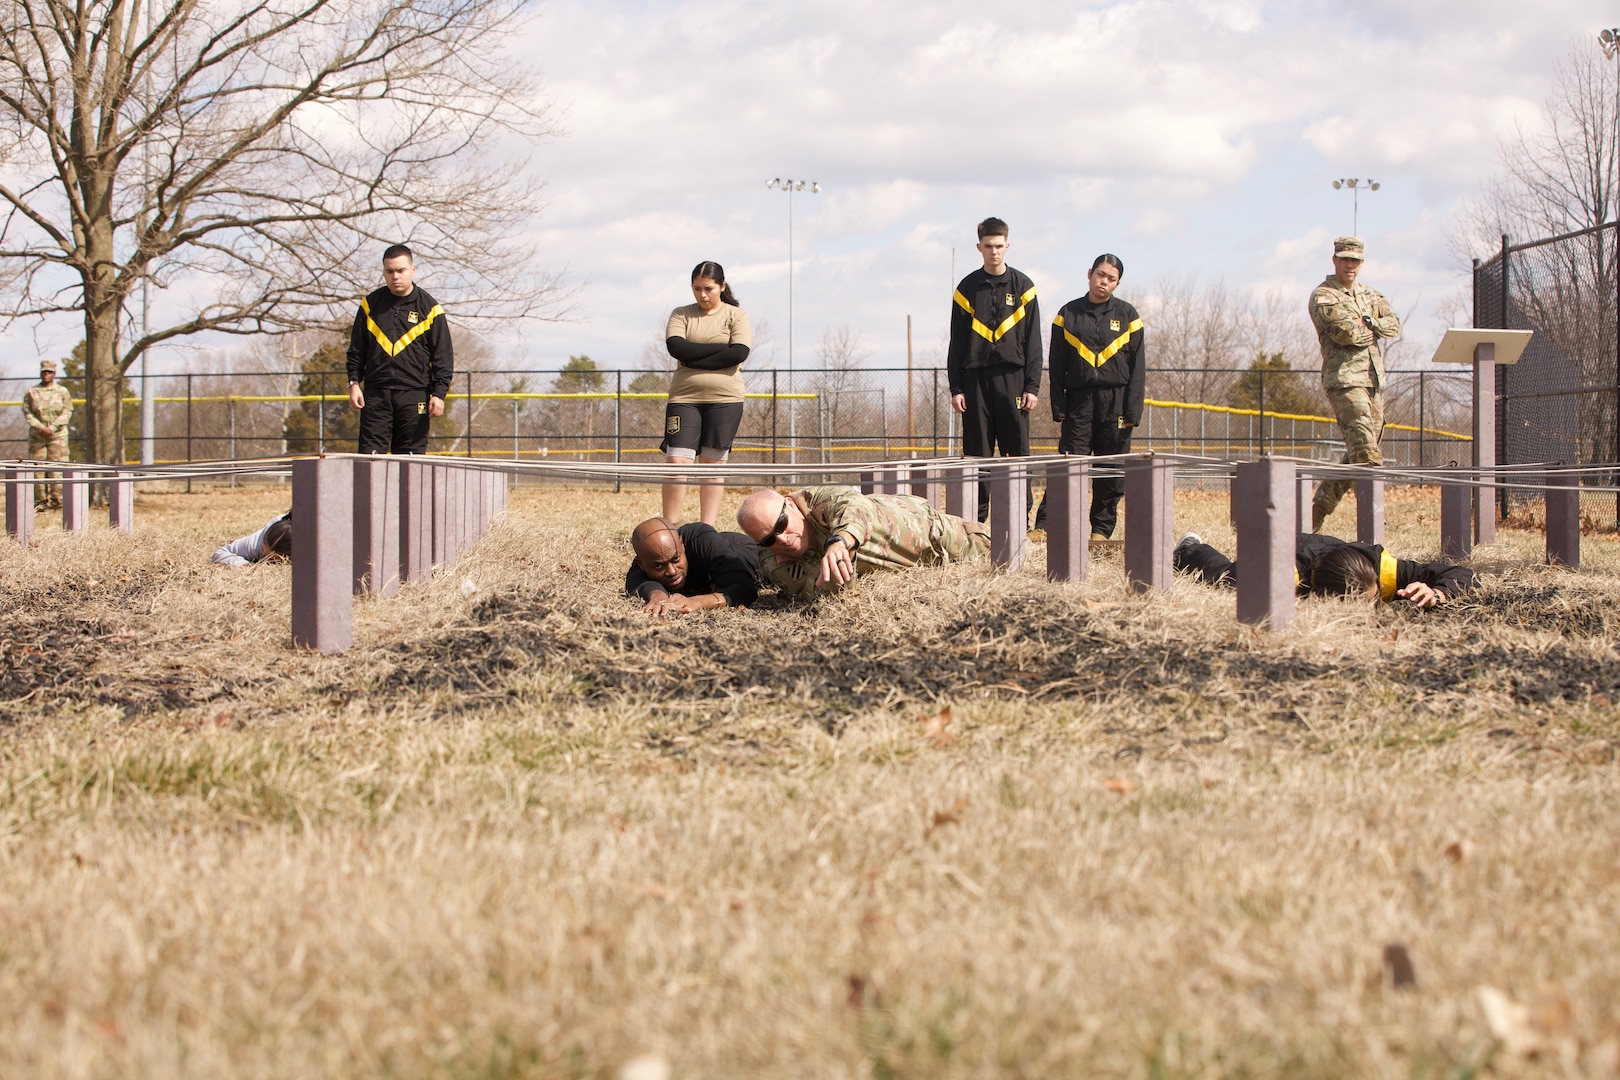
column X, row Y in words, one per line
column 817, row 540
column 1350, row 319
column 400, row 360
column 994, row 362
column 48, row 407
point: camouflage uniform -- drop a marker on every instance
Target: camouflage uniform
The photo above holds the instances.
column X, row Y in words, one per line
column 47, row 410
column 892, row 532
column 1352, row 369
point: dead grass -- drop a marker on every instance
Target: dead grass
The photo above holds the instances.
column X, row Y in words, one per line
column 951, row 824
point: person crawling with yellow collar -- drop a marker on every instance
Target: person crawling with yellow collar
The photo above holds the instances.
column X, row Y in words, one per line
column 1328, row 566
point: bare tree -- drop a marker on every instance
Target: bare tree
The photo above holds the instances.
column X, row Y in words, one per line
column 841, row 382
column 1560, row 176
column 259, row 154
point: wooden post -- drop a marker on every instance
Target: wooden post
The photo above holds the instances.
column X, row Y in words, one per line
column 1008, row 539
column 1370, row 510
column 376, row 525
column 1068, row 530
column 76, row 501
column 20, row 505
column 323, row 554
column 1484, row 432
column 1563, row 498
column 1262, row 496
column 415, row 520
column 1456, row 533
column 121, row 503
column 1150, row 485
column 962, row 491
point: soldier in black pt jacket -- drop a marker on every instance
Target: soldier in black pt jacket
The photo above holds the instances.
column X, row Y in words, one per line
column 400, row 360
column 691, row 568
column 1329, row 566
column 1099, row 366
column 994, row 362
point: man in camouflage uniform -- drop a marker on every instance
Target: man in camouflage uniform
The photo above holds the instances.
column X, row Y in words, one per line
column 47, row 407
column 817, row 540
column 1350, row 319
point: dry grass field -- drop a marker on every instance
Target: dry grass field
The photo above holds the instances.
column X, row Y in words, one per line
column 951, row 824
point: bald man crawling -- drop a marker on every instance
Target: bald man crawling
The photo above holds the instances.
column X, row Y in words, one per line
column 691, row 567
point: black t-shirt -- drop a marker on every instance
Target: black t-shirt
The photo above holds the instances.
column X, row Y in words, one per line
column 716, row 562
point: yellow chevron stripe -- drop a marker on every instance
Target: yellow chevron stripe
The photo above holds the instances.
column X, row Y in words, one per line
column 1007, row 324
column 1113, row 347
column 1386, row 576
column 394, row 348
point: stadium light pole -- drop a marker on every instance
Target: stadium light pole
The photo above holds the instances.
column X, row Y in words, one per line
column 148, row 403
column 790, row 186
column 1355, row 185
column 1609, row 39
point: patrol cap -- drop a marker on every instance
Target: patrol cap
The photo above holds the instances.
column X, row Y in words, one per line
column 1349, row 247
column 47, row 365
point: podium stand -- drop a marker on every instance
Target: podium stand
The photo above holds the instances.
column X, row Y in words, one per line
column 1484, row 349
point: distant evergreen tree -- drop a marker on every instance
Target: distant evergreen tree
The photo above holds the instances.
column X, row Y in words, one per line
column 1286, row 390
column 323, row 371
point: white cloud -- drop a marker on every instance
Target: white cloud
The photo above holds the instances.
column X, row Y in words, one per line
column 1196, row 136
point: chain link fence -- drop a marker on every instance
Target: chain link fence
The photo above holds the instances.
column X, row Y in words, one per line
column 811, row 416
column 1559, row 402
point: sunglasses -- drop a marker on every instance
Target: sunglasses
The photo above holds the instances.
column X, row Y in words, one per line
column 781, row 526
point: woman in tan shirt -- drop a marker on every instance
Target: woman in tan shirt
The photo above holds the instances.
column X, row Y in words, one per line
column 709, row 341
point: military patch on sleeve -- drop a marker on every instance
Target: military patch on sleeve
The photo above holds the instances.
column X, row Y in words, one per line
column 1325, row 298
column 672, row 425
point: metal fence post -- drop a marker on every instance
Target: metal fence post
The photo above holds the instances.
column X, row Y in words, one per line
column 618, row 428
column 469, row 414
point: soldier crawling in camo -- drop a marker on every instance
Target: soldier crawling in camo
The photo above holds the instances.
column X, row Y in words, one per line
column 1350, row 320
column 817, row 540
column 47, row 407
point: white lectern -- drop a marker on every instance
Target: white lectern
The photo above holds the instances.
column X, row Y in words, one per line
column 1484, row 349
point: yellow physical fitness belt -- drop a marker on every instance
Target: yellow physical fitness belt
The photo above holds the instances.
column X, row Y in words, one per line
column 1386, row 576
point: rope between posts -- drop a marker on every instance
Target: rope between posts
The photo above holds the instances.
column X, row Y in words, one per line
column 1501, row 476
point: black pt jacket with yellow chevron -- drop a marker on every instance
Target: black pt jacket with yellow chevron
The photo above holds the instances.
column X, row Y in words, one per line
column 995, row 323
column 1393, row 574
column 1099, row 345
column 401, row 343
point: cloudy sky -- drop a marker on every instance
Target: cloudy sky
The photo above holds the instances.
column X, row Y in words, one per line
column 1191, row 138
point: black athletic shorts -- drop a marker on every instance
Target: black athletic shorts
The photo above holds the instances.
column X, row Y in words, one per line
column 707, row 430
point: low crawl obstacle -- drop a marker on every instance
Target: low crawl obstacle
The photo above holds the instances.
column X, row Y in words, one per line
column 363, row 524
